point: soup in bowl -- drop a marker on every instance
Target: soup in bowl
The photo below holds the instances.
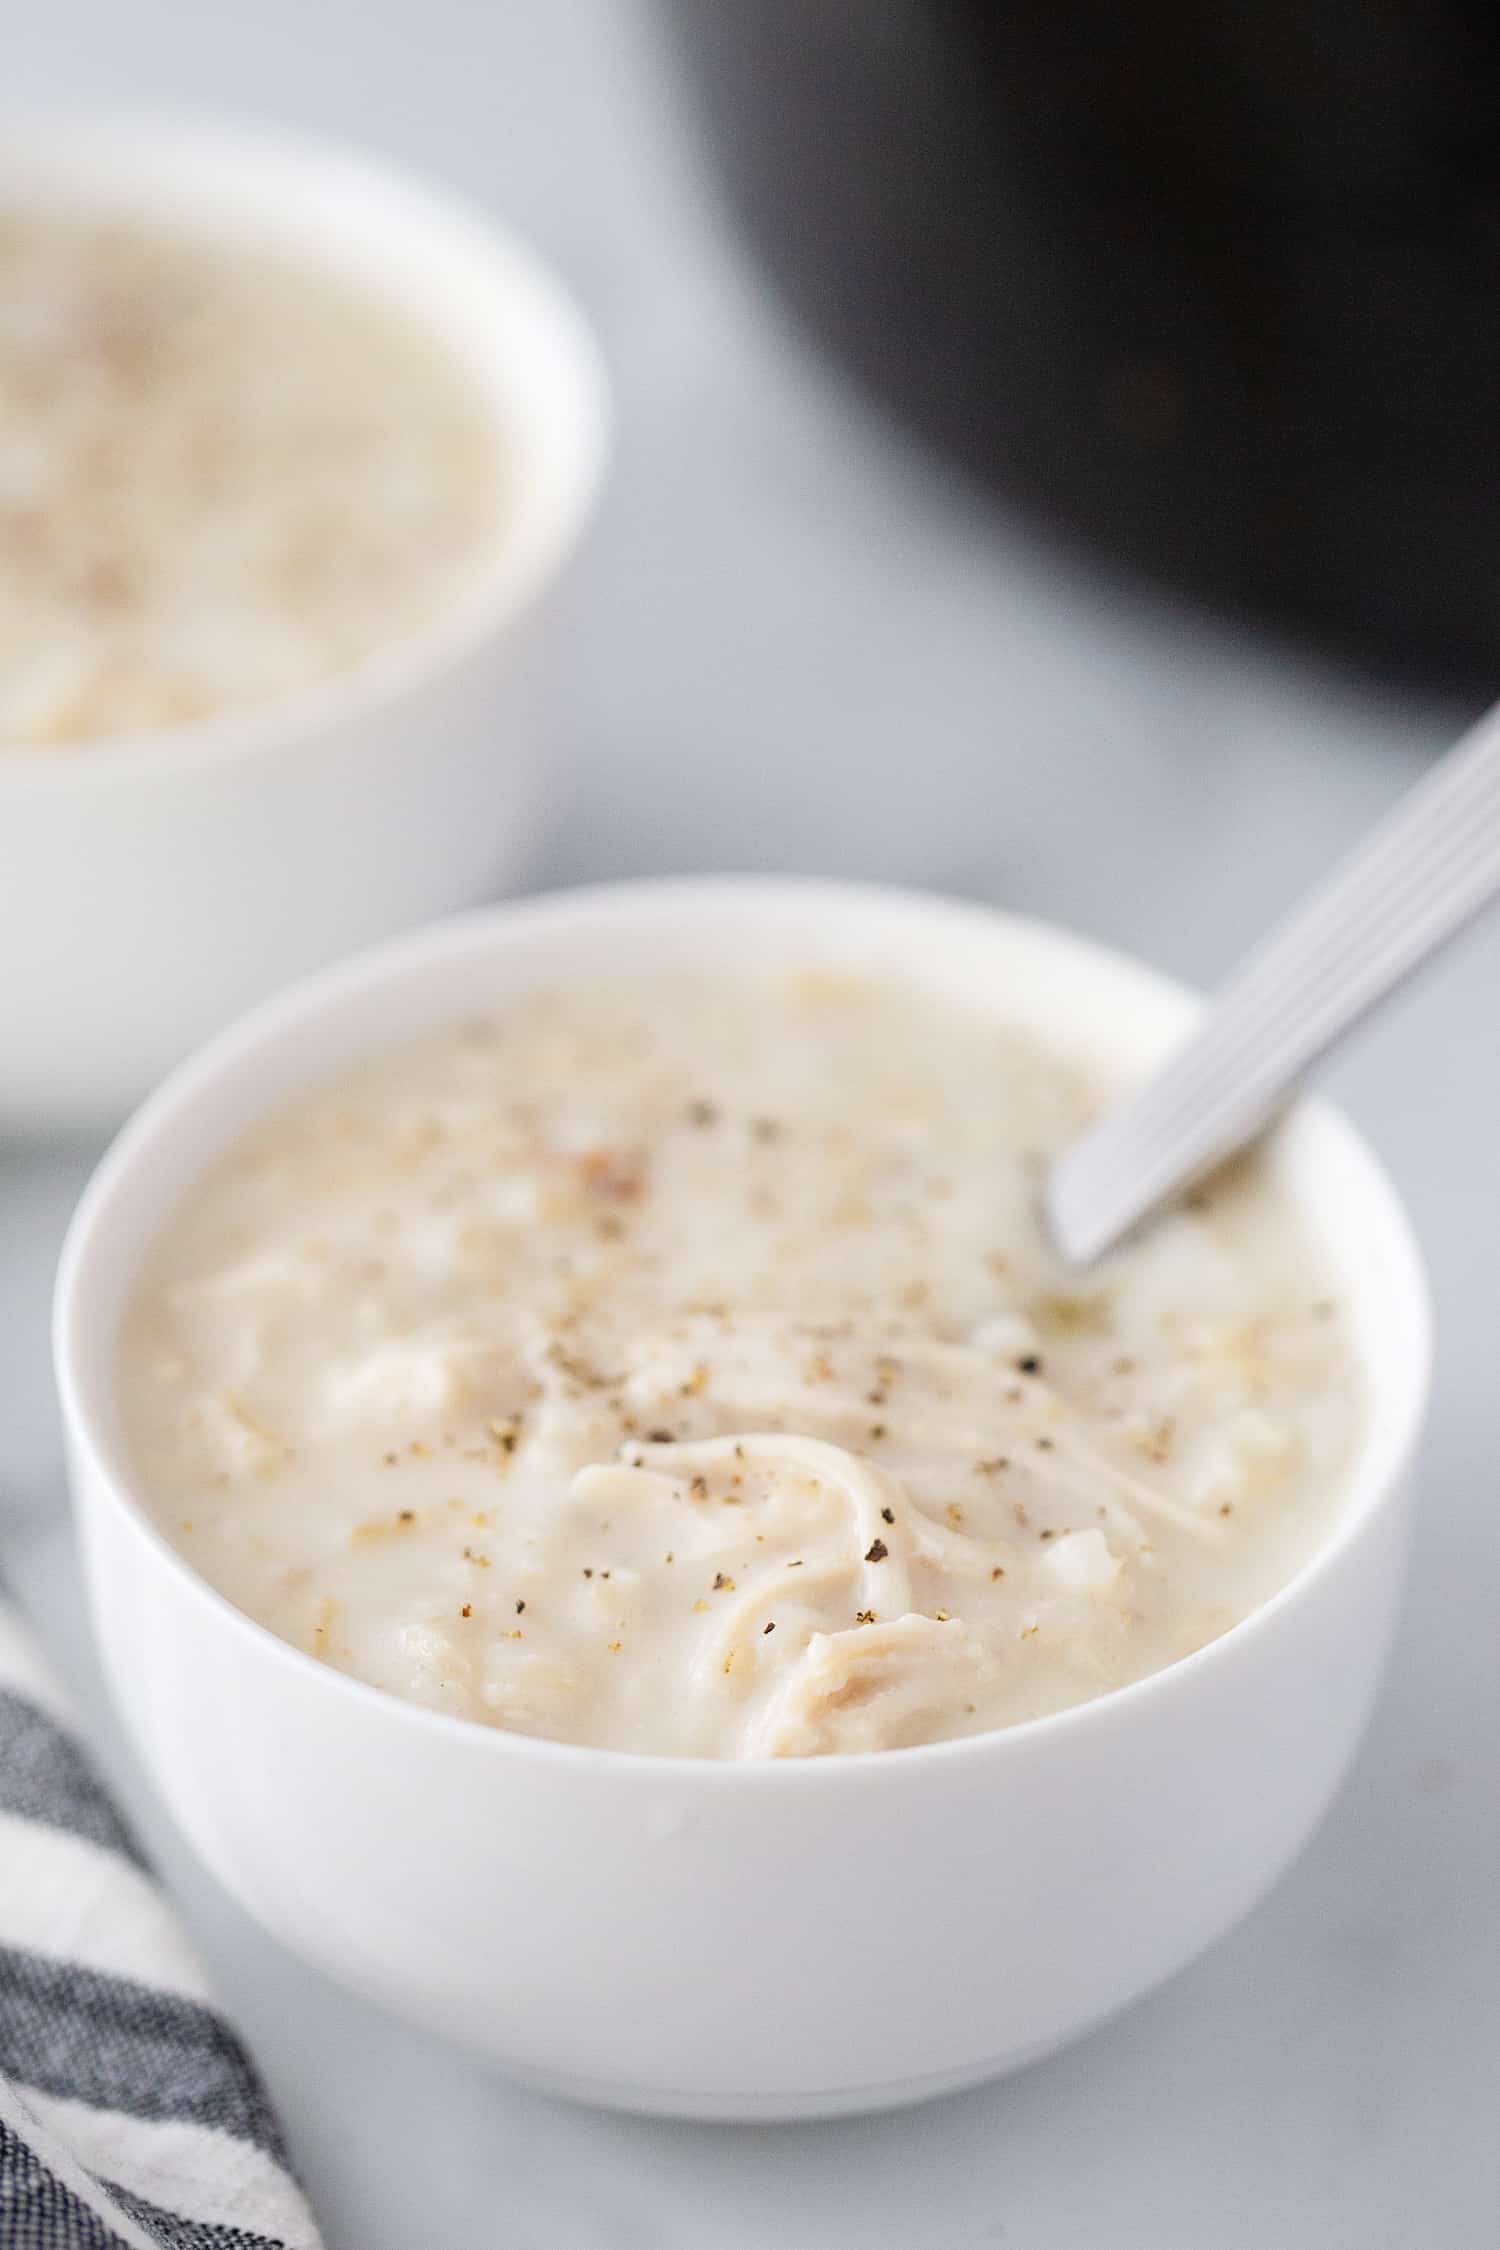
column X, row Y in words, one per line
column 616, row 1535
column 297, row 451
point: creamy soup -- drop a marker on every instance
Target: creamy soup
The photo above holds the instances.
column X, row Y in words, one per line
column 224, row 475
column 681, row 1366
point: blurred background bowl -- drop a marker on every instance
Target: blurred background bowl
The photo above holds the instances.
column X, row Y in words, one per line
column 152, row 886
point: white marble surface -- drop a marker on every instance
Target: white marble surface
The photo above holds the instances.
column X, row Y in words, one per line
column 797, row 644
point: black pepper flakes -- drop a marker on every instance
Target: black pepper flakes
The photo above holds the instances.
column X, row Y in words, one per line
column 769, row 1626
column 876, row 1551
column 864, row 1617
column 520, row 1609
column 660, row 1437
column 1029, row 1363
column 887, row 1515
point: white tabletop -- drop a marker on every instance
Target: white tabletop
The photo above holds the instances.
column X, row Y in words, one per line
column 798, row 644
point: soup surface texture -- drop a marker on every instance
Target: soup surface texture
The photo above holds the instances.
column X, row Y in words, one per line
column 680, row 1366
column 225, row 474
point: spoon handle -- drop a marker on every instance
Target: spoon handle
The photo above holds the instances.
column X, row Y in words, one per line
column 1423, row 872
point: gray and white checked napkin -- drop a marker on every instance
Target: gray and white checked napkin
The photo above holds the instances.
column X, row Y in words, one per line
column 131, row 2117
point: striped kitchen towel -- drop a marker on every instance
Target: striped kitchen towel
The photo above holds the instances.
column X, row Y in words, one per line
column 130, row 2116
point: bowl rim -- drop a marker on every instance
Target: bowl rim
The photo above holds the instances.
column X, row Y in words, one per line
column 1375, row 1484
column 532, row 548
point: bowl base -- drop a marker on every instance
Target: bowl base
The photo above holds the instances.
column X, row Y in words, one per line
column 697, row 2106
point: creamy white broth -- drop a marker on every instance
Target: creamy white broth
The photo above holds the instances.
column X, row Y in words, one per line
column 226, row 474
column 680, row 1365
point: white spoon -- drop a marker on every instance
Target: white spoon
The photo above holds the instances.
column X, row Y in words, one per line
column 1422, row 873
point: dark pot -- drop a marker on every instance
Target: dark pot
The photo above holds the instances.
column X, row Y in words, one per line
column 1213, row 285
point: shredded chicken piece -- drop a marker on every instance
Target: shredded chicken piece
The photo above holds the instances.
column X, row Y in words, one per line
column 871, row 1687
column 885, row 1585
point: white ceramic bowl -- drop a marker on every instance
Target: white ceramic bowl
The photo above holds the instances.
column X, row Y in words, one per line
column 726, row 1940
column 154, row 886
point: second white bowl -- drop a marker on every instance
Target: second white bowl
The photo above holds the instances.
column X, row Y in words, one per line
column 150, row 888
